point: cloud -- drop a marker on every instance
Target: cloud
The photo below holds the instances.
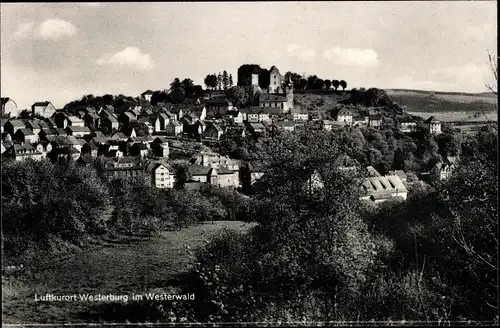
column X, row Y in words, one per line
column 50, row 29
column 301, row 52
column 55, row 29
column 352, row 56
column 130, row 56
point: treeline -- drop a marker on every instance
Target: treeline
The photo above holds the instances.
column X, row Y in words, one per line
column 323, row 256
column 44, row 204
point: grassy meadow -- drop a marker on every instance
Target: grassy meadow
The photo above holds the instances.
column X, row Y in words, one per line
column 138, row 267
column 427, row 101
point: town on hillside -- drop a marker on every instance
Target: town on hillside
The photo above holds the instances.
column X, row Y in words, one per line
column 136, row 139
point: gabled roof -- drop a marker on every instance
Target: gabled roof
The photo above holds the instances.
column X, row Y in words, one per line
column 219, row 101
column 119, row 136
column 73, row 128
column 174, row 123
column 372, row 171
column 431, row 120
column 111, row 118
column 26, row 132
column 194, row 170
column 42, row 103
column 32, row 124
column 92, row 115
column 147, row 92
column 253, row 110
column 63, row 140
column 17, row 123
column 139, row 146
column 382, row 185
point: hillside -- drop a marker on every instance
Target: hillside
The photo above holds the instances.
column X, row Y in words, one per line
column 427, row 101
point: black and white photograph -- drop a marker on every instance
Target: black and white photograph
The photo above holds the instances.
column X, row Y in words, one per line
column 254, row 163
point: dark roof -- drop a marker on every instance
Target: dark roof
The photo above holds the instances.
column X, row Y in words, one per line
column 32, row 124
column 42, row 103
column 92, row 115
column 198, row 170
column 431, row 120
column 219, row 101
column 223, row 170
column 253, row 110
column 17, row 123
column 119, row 135
column 111, row 118
column 139, row 146
column 26, row 132
column 147, row 92
column 86, row 158
column 63, row 140
column 78, row 129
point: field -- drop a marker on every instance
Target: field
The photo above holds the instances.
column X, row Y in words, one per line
column 426, row 101
column 454, row 116
column 118, row 269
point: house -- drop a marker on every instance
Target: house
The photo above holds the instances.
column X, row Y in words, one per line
column 85, row 160
column 25, row 135
column 375, row 121
column 139, row 149
column 109, row 124
column 372, row 172
column 51, row 123
column 234, row 116
column 90, row 149
column 78, row 131
column 154, row 121
column 256, row 128
column 276, row 104
column 126, row 118
column 300, row 115
column 160, row 147
column 254, row 114
column 146, row 95
column 285, row 125
column 276, row 80
column 22, row 151
column 164, row 120
column 58, row 142
column 43, row 147
column 42, row 125
column 433, row 126
column 221, row 176
column 381, row 188
column 177, row 111
column 174, row 128
column 91, row 119
column 360, row 120
column 248, row 75
column 400, row 173
column 234, row 132
column 213, row 132
column 127, row 166
column 33, row 126
column 119, row 136
column 162, row 175
column 44, row 133
column 407, row 125
column 9, row 106
column 43, row 108
column 201, row 112
column 443, row 170
column 74, row 121
column 12, row 126
column 209, row 158
column 219, row 106
column 345, row 115
column 326, row 125
column 60, row 119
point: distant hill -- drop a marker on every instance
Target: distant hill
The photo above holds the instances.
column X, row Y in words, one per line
column 438, row 101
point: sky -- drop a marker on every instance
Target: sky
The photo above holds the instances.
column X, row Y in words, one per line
column 62, row 51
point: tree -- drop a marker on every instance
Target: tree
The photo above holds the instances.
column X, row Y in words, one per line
column 176, row 92
column 187, row 87
column 302, row 84
column 328, row 84
column 211, row 81
column 238, row 96
column 25, row 114
column 335, row 84
column 343, row 84
column 230, row 80
column 225, row 80
column 494, row 69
